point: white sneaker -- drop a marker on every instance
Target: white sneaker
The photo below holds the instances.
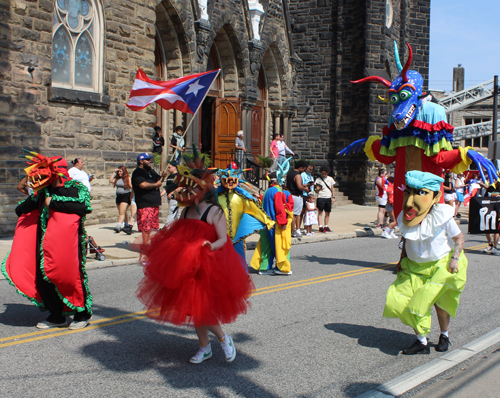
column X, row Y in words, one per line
column 488, row 249
column 278, row 272
column 310, row 234
column 393, row 235
column 79, row 324
column 385, row 235
column 266, row 272
column 229, row 348
column 493, row 251
column 202, row 354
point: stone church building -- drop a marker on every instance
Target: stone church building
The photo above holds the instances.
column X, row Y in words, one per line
column 67, row 67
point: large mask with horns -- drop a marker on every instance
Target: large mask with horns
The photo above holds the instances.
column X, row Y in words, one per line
column 405, row 91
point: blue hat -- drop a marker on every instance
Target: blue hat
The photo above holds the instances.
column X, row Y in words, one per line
column 143, row 156
column 418, row 179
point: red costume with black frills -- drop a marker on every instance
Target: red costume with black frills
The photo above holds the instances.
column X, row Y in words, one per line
column 188, row 283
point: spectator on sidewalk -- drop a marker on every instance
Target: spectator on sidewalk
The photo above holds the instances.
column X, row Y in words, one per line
column 283, row 149
column 326, row 197
column 146, row 184
column 122, row 182
column 449, row 190
column 274, row 152
column 388, row 232
column 459, row 191
column 240, row 150
column 77, row 173
column 158, row 143
column 173, row 211
column 311, row 216
column 381, row 196
column 296, row 188
column 307, row 180
column 178, row 144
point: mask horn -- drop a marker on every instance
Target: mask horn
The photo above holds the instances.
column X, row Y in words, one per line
column 408, row 63
column 376, row 79
column 396, row 55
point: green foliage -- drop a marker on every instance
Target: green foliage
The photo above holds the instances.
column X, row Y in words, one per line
column 206, row 161
column 264, row 161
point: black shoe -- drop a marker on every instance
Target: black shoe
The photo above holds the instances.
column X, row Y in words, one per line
column 127, row 229
column 459, row 215
column 443, row 344
column 417, row 348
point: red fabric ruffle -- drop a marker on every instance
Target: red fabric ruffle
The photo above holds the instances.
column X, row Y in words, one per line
column 187, row 283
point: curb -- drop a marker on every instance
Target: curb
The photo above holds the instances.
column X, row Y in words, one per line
column 408, row 381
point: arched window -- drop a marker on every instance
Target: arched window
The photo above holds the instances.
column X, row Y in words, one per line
column 77, row 45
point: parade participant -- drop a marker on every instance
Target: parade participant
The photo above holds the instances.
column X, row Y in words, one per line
column 432, row 269
column 324, row 186
column 146, row 183
column 47, row 261
column 201, row 282
column 276, row 242
column 173, row 210
column 417, row 136
column 243, row 213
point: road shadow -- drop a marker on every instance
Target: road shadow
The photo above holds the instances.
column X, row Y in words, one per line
column 143, row 345
column 388, row 341
column 343, row 261
column 355, row 389
column 22, row 315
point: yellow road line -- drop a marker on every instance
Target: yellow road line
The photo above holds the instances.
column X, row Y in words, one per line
column 97, row 324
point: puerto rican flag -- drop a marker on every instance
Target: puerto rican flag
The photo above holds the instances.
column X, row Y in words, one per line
column 473, row 189
column 184, row 94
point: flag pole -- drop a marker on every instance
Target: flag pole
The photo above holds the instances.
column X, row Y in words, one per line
column 196, row 112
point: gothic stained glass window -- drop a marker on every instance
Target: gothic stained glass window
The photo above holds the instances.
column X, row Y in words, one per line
column 83, row 61
column 61, row 61
column 77, row 45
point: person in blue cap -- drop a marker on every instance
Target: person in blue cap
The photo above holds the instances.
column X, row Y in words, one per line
column 146, row 184
column 432, row 268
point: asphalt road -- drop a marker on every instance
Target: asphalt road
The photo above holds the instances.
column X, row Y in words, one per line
column 317, row 333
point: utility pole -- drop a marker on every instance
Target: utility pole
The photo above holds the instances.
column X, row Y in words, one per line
column 494, row 146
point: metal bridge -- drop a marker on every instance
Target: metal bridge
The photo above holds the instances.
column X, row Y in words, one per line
column 473, row 131
column 464, row 99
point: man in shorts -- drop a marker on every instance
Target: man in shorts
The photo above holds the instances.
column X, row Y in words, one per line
column 326, row 197
column 146, row 184
column 296, row 188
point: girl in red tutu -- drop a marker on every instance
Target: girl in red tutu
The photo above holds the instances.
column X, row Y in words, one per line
column 193, row 275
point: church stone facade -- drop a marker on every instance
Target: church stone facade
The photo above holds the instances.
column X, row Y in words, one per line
column 67, row 67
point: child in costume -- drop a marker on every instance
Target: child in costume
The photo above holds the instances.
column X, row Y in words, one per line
column 276, row 242
column 243, row 212
column 193, row 275
column 432, row 269
column 47, row 261
column 417, row 136
column 311, row 216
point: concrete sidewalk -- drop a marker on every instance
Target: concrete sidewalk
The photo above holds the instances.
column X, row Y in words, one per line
column 347, row 221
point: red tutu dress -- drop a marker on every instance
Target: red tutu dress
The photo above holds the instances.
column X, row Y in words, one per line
column 187, row 283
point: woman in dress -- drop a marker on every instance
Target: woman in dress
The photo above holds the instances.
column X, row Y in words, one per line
column 123, row 184
column 202, row 283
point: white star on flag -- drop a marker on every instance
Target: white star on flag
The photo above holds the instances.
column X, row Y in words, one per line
column 194, row 88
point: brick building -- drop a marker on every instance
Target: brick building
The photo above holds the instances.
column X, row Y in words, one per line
column 67, row 67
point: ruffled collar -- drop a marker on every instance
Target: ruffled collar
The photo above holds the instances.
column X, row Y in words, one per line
column 430, row 226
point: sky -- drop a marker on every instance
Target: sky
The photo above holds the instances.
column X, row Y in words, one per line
column 464, row 32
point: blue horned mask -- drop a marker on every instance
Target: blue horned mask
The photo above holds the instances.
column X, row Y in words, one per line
column 405, row 91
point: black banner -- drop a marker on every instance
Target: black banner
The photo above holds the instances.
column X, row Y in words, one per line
column 484, row 215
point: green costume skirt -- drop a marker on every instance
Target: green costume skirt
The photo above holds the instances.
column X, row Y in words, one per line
column 421, row 285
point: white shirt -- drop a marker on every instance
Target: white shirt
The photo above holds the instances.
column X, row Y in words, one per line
column 283, row 148
column 80, row 175
column 432, row 239
column 325, row 193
